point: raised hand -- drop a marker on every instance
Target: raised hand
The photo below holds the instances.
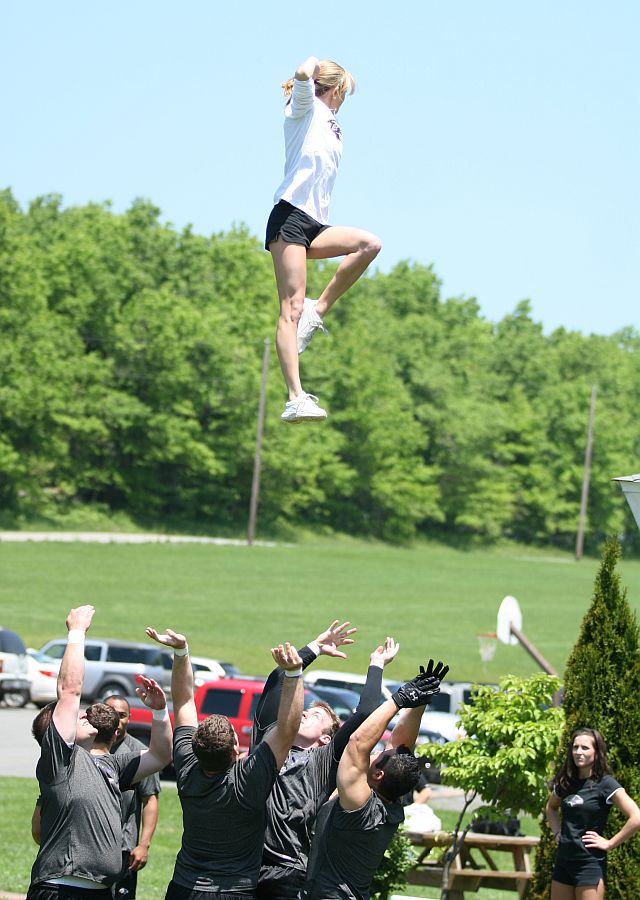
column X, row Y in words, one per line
column 439, row 671
column 336, row 635
column 385, row 653
column 80, row 618
column 169, row 638
column 287, row 657
column 420, row 690
column 151, row 693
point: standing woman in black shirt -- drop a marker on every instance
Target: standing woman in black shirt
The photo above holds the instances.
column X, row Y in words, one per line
column 585, row 791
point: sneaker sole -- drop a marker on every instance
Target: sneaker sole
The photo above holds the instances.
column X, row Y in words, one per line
column 300, row 419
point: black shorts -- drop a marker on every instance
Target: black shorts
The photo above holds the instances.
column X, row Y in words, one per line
column 177, row 891
column 44, row 891
column 279, row 882
column 292, row 225
column 581, row 872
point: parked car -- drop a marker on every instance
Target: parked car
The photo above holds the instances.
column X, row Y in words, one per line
column 14, row 680
column 114, row 666
column 235, row 698
column 205, row 669
column 342, row 701
column 345, row 681
column 43, row 677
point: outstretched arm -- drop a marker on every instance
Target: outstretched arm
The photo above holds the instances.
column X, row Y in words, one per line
column 327, row 643
column 371, row 696
column 406, row 729
column 71, row 674
column 282, row 736
column 160, row 742
column 184, row 707
column 353, row 785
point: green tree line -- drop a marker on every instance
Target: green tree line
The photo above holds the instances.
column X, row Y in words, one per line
column 130, row 359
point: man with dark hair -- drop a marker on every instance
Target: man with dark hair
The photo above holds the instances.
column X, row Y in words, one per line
column 224, row 797
column 139, row 807
column 308, row 776
column 105, row 721
column 80, row 852
column 354, row 830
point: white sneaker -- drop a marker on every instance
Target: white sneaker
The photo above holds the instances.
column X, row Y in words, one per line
column 303, row 408
column 309, row 323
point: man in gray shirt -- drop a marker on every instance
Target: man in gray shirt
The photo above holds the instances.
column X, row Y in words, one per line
column 308, row 776
column 81, row 828
column 139, row 807
column 354, row 830
column 224, row 797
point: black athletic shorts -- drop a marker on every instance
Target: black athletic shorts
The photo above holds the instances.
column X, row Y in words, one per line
column 280, row 883
column 177, row 891
column 292, row 225
column 579, row 873
column 44, row 891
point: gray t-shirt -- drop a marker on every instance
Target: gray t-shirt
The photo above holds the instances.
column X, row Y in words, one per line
column 348, row 848
column 81, row 828
column 306, row 780
column 131, row 802
column 224, row 818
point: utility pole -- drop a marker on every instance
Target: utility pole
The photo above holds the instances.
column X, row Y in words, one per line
column 257, row 461
column 585, row 478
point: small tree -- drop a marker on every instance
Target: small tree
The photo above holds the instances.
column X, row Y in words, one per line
column 602, row 686
column 512, row 736
column 391, row 875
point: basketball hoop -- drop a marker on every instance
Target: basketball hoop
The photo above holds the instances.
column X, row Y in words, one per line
column 487, row 643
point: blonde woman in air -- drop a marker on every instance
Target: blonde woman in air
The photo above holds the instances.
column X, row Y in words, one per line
column 298, row 227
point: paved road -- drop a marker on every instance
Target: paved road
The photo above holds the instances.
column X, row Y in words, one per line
column 18, row 751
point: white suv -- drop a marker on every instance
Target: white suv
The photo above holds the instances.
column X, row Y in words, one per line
column 113, row 666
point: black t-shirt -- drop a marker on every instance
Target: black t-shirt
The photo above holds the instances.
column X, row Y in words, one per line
column 585, row 807
column 308, row 777
column 81, row 826
column 348, row 848
column 131, row 803
column 224, row 818
column 304, row 783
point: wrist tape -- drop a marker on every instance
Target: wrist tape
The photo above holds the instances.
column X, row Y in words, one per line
column 75, row 636
column 293, row 673
column 181, row 651
column 160, row 715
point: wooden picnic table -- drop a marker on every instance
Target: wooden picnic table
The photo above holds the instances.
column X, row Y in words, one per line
column 467, row 873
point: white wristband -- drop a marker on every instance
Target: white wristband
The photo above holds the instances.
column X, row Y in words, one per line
column 181, row 651
column 160, row 715
column 293, row 673
column 75, row 636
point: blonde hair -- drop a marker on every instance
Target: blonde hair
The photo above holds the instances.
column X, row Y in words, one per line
column 330, row 75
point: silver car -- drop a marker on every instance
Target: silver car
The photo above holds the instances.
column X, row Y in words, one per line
column 113, row 666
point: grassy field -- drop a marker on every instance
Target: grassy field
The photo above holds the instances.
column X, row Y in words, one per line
column 18, row 849
column 236, row 602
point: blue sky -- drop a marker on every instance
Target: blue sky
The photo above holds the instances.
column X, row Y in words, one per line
column 497, row 141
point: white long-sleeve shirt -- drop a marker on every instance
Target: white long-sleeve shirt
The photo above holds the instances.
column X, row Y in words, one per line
column 313, row 148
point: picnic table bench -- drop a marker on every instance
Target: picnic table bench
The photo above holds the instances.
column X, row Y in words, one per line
column 466, row 872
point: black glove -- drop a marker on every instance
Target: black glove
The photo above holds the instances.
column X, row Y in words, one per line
column 420, row 690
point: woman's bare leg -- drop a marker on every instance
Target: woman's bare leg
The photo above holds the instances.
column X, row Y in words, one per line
column 561, row 891
column 359, row 249
column 290, row 264
column 592, row 892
